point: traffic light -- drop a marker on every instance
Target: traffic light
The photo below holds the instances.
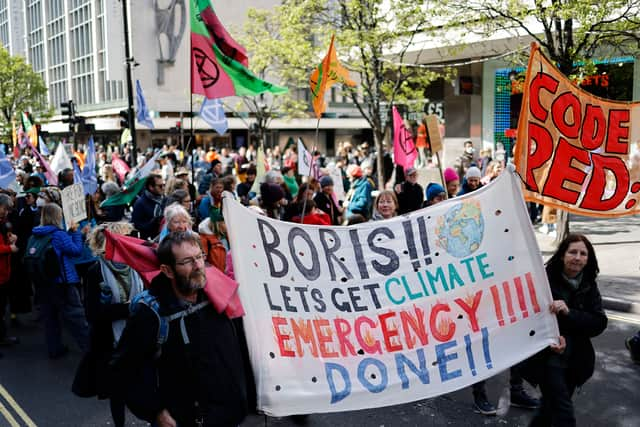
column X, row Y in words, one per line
column 124, row 119
column 68, row 109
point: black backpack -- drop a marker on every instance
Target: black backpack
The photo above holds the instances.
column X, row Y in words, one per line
column 41, row 261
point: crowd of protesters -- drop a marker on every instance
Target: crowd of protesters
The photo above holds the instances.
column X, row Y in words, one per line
column 179, row 211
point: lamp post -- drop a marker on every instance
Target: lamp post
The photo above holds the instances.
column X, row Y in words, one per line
column 129, row 62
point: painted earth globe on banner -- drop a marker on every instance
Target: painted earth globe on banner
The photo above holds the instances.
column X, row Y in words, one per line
column 460, row 229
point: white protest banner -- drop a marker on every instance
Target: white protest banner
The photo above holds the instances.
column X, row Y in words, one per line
column 74, row 207
column 388, row 312
column 338, row 187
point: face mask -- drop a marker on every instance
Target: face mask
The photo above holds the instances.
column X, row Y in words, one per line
column 40, row 202
column 469, row 150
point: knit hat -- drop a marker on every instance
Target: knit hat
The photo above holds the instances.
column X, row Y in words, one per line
column 433, row 190
column 450, row 175
column 326, row 181
column 271, row 193
column 473, row 172
column 354, row 171
column 52, row 194
column 110, row 188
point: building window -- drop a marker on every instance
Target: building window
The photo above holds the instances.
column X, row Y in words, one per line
column 4, row 24
column 81, row 38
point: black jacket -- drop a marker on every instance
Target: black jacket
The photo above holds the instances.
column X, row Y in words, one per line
column 146, row 215
column 586, row 319
column 93, row 376
column 327, row 205
column 204, row 378
column 410, row 198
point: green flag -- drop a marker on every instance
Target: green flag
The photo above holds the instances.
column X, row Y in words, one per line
column 218, row 63
column 126, row 195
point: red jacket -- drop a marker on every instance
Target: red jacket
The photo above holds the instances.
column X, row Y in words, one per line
column 5, row 260
column 316, row 218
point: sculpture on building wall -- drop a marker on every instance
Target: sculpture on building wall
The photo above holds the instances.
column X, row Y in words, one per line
column 169, row 37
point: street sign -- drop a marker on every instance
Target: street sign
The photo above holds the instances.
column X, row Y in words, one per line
column 435, row 107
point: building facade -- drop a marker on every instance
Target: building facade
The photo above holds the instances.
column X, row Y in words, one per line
column 77, row 46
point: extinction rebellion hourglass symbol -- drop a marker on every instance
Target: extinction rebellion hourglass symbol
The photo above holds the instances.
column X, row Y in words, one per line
column 207, row 68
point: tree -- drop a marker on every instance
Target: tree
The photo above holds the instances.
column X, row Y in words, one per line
column 372, row 40
column 280, row 47
column 572, row 32
column 375, row 37
column 21, row 89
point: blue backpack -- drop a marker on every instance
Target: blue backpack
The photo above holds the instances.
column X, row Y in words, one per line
column 41, row 261
column 146, row 298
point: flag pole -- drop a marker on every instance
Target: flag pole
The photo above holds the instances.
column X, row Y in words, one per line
column 304, row 204
column 191, row 140
column 191, row 133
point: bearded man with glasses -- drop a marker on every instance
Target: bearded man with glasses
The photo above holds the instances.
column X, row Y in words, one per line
column 196, row 377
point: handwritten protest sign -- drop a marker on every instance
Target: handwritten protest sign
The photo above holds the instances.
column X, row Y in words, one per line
column 433, row 128
column 387, row 312
column 74, row 208
column 576, row 151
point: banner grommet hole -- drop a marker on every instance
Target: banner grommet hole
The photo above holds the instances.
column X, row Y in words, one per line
column 361, row 352
column 532, row 333
column 510, row 257
column 278, row 388
column 314, row 380
column 498, row 212
column 272, row 355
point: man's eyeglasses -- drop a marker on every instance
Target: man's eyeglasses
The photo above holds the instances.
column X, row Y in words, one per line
column 190, row 262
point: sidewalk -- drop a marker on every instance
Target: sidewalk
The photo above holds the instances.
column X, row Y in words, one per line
column 617, row 246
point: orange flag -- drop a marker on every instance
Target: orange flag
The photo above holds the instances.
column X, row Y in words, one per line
column 328, row 72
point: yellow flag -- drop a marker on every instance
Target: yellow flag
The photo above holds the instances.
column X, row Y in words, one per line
column 14, row 134
column 328, row 72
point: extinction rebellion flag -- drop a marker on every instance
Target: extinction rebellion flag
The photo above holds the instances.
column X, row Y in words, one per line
column 218, row 63
column 576, row 151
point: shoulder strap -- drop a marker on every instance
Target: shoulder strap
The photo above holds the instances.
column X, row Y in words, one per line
column 181, row 315
column 150, row 301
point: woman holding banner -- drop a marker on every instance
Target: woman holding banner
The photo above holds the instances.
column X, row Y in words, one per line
column 572, row 273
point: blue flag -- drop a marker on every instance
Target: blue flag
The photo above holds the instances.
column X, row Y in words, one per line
column 89, row 178
column 44, row 150
column 7, row 173
column 213, row 113
column 77, row 174
column 143, row 112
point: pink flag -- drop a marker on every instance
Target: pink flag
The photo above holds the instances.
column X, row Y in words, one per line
column 120, row 167
column 140, row 255
column 404, row 149
column 51, row 176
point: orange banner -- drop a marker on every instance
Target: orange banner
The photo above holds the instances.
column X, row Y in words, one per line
column 576, row 151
